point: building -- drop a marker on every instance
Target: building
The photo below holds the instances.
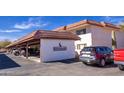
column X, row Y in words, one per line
column 94, row 33
column 47, row 45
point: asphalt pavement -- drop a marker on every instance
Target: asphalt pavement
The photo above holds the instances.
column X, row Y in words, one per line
column 11, row 65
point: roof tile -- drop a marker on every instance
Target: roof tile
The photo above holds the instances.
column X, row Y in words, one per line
column 44, row 34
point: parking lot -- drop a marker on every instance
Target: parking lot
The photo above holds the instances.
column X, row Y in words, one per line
column 11, row 65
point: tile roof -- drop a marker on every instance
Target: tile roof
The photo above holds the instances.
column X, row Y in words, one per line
column 90, row 22
column 45, row 34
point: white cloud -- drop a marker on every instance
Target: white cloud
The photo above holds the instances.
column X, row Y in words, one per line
column 8, row 38
column 114, row 19
column 10, row 30
column 23, row 26
column 32, row 22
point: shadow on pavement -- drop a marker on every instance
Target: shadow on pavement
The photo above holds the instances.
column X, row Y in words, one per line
column 111, row 65
column 68, row 61
column 6, row 62
column 108, row 65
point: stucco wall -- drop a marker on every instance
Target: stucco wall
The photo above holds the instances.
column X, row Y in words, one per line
column 101, row 37
column 120, row 39
column 48, row 54
column 85, row 39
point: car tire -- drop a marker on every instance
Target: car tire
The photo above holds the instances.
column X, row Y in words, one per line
column 85, row 63
column 121, row 67
column 102, row 63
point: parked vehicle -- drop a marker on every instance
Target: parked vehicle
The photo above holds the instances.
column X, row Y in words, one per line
column 16, row 52
column 96, row 55
column 23, row 53
column 119, row 58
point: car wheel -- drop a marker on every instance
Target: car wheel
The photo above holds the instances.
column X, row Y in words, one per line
column 85, row 63
column 121, row 67
column 102, row 63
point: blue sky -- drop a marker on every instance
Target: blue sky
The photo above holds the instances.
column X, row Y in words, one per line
column 14, row 27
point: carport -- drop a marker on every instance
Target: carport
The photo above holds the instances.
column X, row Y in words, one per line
column 49, row 45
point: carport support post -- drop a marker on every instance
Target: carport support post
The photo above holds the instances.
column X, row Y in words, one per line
column 27, row 50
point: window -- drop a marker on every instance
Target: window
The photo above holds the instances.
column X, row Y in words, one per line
column 88, row 49
column 109, row 50
column 101, row 49
column 81, row 46
column 81, row 31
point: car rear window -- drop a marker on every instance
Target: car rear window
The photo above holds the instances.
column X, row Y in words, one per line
column 103, row 49
column 88, row 49
column 100, row 49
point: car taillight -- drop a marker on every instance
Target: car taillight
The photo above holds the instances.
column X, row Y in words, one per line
column 112, row 55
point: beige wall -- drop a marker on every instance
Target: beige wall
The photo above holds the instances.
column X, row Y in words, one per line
column 101, row 36
column 120, row 39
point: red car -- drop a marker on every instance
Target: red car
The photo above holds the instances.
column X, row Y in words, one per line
column 96, row 55
column 119, row 58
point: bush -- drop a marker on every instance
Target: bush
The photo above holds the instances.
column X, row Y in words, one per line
column 4, row 43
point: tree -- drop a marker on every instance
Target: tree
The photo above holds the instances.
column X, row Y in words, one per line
column 122, row 26
column 4, row 43
column 114, row 43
